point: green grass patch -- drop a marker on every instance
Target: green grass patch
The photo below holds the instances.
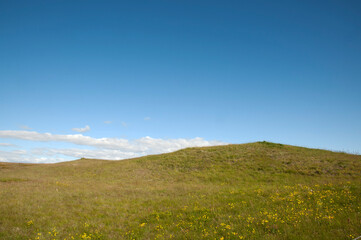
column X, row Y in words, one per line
column 250, row 191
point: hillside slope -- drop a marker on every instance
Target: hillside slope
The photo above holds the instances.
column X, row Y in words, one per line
column 250, row 191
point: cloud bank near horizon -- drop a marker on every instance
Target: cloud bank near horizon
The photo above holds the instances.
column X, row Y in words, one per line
column 102, row 148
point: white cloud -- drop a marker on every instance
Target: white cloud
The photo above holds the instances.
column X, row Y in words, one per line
column 7, row 145
column 79, row 139
column 103, row 148
column 107, row 154
column 107, row 122
column 146, row 118
column 26, row 157
column 81, row 130
column 25, row 127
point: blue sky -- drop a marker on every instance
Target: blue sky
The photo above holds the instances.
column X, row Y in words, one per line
column 184, row 73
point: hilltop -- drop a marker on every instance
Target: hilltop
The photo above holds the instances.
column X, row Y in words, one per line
column 249, row 191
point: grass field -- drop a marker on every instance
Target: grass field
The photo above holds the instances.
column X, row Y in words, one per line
column 251, row 191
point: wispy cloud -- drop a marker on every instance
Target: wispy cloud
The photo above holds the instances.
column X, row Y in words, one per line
column 27, row 157
column 103, row 148
column 7, row 145
column 147, row 118
column 25, row 127
column 108, row 122
column 81, row 130
column 85, row 153
column 124, row 124
column 79, row 139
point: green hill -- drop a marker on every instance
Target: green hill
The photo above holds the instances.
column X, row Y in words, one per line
column 250, row 191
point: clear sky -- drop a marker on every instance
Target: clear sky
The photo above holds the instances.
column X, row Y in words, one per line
column 155, row 76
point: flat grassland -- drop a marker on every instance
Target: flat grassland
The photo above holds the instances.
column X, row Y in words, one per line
column 250, row 191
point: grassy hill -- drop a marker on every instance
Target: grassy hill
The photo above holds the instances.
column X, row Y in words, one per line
column 251, row 191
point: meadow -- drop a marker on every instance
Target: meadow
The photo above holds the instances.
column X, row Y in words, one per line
column 250, row 191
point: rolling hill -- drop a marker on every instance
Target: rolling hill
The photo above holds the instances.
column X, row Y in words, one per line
column 258, row 190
